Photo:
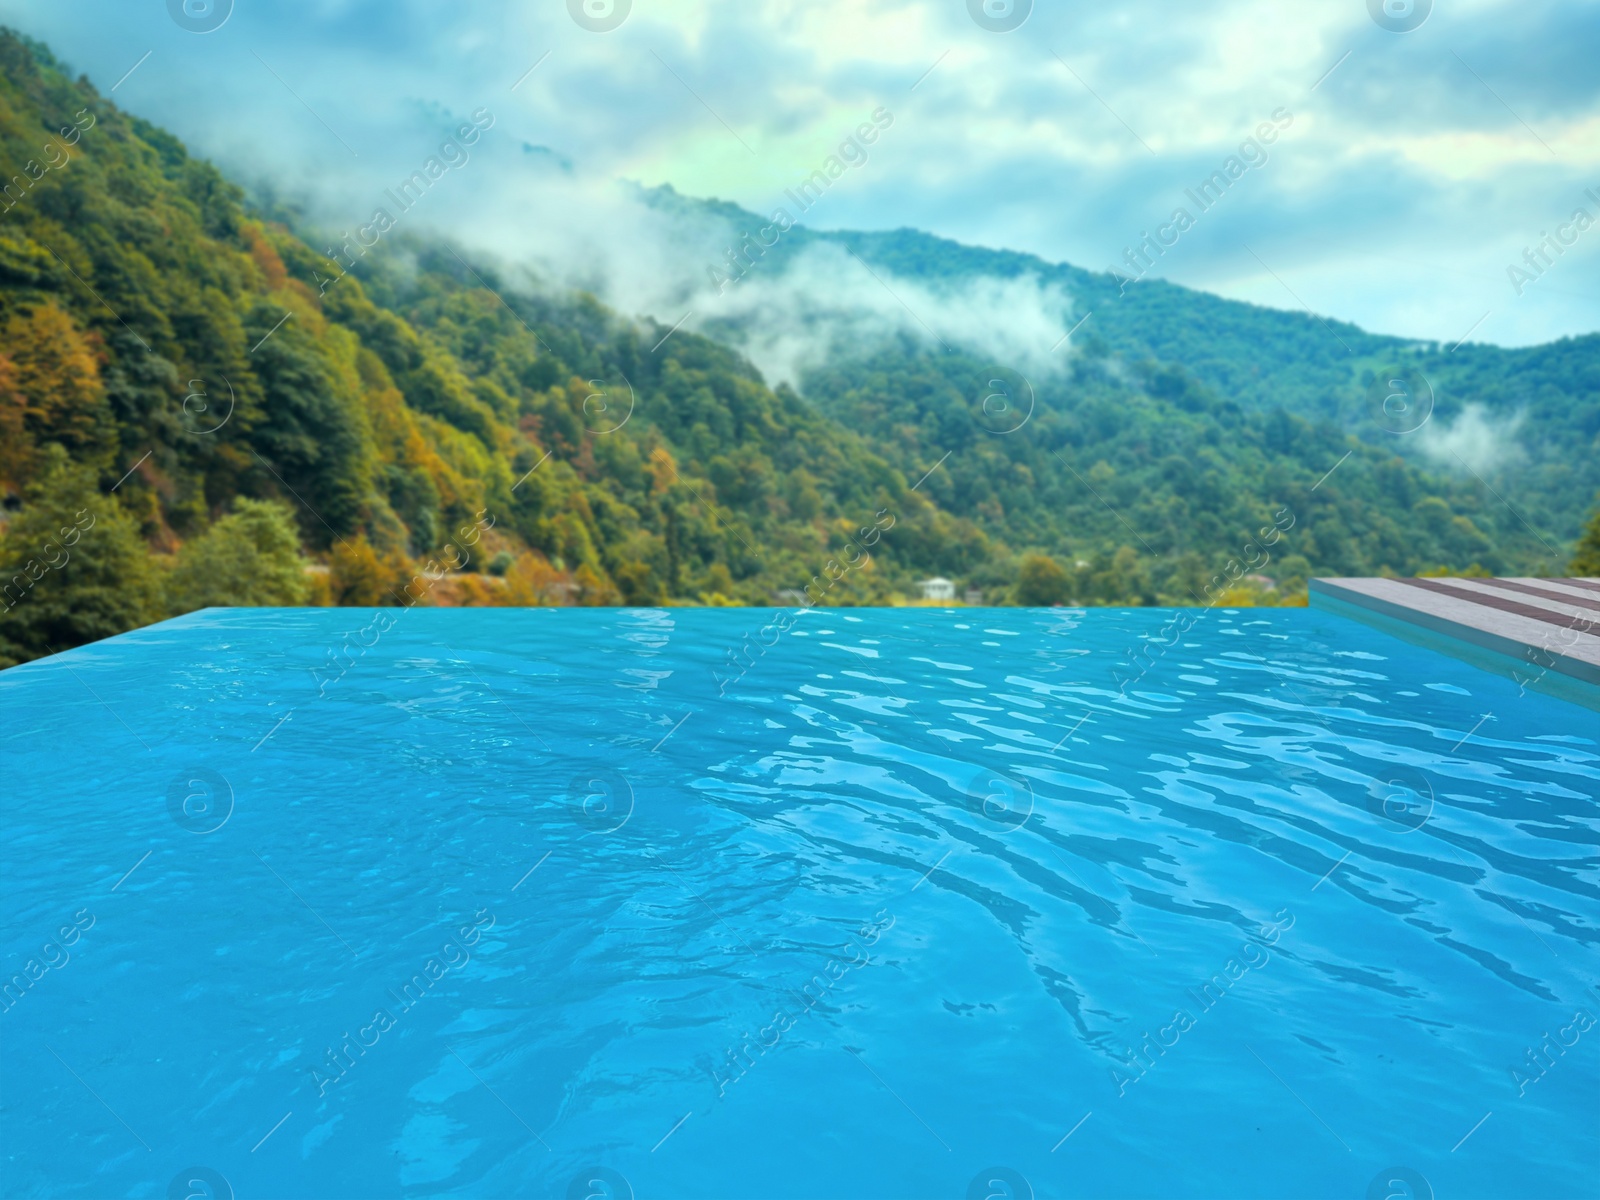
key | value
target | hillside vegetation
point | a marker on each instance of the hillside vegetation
(198, 408)
(1542, 402)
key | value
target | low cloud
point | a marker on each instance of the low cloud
(786, 315)
(1001, 143)
(1476, 439)
(827, 303)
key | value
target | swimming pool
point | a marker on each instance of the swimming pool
(740, 903)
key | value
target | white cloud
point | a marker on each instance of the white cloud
(828, 301)
(1476, 439)
(1401, 193)
(648, 262)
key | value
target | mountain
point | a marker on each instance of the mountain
(198, 407)
(1534, 412)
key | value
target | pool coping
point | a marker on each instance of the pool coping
(1543, 633)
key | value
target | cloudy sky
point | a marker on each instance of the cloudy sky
(1414, 168)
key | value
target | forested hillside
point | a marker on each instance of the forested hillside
(1543, 402)
(197, 407)
(406, 420)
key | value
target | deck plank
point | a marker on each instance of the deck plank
(1548, 624)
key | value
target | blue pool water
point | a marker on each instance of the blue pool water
(911, 903)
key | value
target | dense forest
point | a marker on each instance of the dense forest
(1268, 361)
(199, 408)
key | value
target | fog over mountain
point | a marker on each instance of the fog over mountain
(1425, 160)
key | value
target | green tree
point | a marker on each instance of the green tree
(1586, 559)
(73, 568)
(1041, 582)
(250, 557)
(639, 586)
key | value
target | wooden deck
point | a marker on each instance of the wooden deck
(1544, 626)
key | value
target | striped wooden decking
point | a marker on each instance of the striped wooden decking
(1545, 625)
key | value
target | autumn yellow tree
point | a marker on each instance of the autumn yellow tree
(55, 370)
(15, 452)
(533, 582)
(358, 577)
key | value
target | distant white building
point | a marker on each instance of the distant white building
(937, 588)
